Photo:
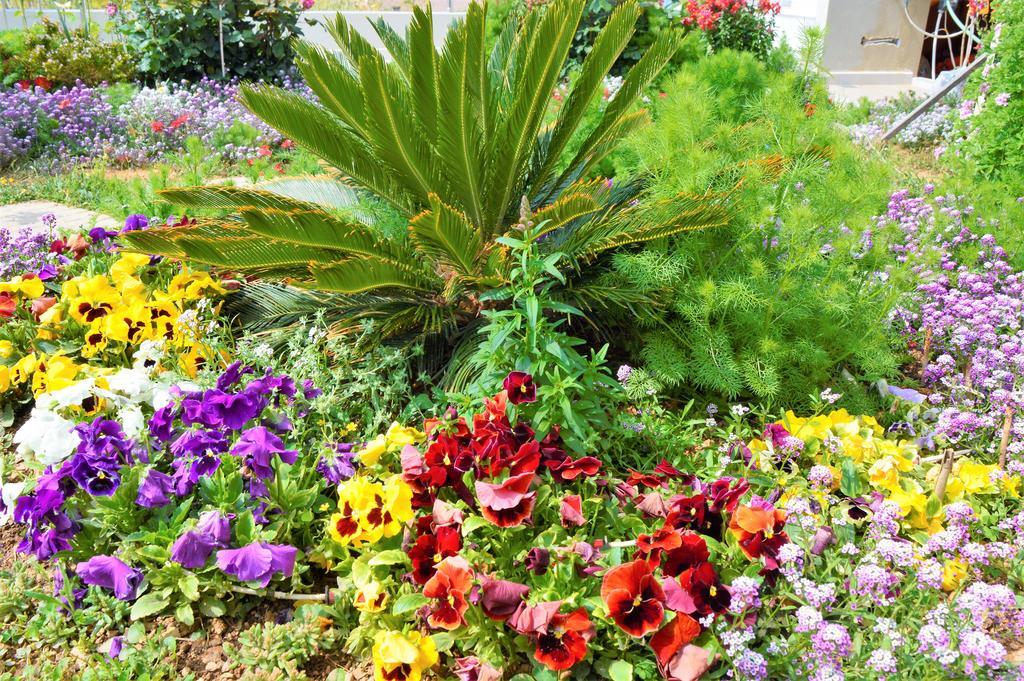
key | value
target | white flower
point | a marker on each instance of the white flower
(9, 493)
(132, 421)
(48, 436)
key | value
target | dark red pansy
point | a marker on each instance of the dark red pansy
(652, 505)
(667, 470)
(692, 551)
(530, 620)
(509, 503)
(565, 641)
(448, 588)
(688, 512)
(634, 597)
(699, 591)
(520, 387)
(430, 549)
(724, 493)
(758, 528)
(500, 598)
(568, 469)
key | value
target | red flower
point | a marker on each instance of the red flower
(698, 591)
(567, 469)
(572, 511)
(7, 305)
(651, 546)
(634, 597)
(636, 479)
(42, 304)
(673, 636)
(449, 587)
(520, 388)
(178, 122)
(507, 504)
(430, 549)
(64, 103)
(688, 513)
(157, 126)
(530, 620)
(24, 84)
(565, 641)
(499, 598)
(758, 528)
(264, 151)
(43, 82)
(725, 493)
(692, 551)
(664, 468)
(287, 144)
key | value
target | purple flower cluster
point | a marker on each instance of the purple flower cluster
(79, 124)
(201, 427)
(68, 124)
(966, 311)
(25, 251)
(94, 468)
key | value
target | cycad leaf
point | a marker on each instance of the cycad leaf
(395, 44)
(319, 131)
(643, 72)
(367, 274)
(538, 55)
(445, 233)
(424, 79)
(167, 240)
(461, 138)
(333, 82)
(256, 252)
(293, 193)
(606, 49)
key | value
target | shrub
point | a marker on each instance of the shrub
(992, 137)
(182, 39)
(776, 302)
(745, 25)
(65, 56)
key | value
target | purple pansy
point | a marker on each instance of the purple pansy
(257, 562)
(111, 573)
(258, 446)
(155, 490)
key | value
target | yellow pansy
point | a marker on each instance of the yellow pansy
(370, 597)
(402, 657)
(128, 323)
(370, 454)
(399, 436)
(6, 349)
(884, 474)
(89, 298)
(5, 378)
(126, 266)
(50, 323)
(95, 340)
(188, 285)
(23, 368)
(31, 287)
(953, 574)
(53, 373)
(1010, 485)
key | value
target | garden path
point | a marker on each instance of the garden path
(30, 214)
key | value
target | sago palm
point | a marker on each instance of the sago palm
(456, 140)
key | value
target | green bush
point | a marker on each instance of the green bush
(181, 39)
(64, 56)
(992, 129)
(773, 305)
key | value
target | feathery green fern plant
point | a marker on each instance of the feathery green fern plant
(791, 296)
(450, 140)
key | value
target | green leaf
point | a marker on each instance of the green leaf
(390, 557)
(473, 522)
(183, 613)
(212, 607)
(413, 601)
(189, 586)
(850, 483)
(147, 605)
(620, 670)
(245, 528)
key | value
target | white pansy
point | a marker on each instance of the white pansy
(9, 493)
(50, 437)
